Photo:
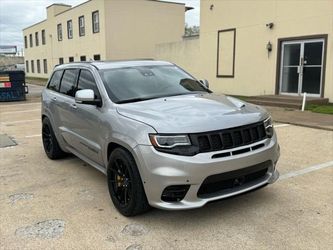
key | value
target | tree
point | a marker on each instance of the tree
(191, 30)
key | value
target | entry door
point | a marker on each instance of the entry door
(302, 67)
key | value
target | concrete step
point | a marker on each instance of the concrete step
(275, 103)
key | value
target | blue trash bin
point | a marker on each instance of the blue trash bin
(12, 86)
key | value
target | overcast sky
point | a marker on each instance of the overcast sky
(18, 14)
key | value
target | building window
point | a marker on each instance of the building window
(38, 66)
(61, 60)
(25, 42)
(32, 66)
(82, 58)
(36, 39)
(95, 21)
(27, 66)
(45, 66)
(30, 40)
(59, 30)
(43, 37)
(81, 26)
(97, 57)
(70, 29)
(71, 59)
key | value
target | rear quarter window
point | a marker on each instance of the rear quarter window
(55, 80)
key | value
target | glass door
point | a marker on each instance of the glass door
(301, 67)
(290, 77)
(312, 64)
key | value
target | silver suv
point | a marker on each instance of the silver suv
(162, 137)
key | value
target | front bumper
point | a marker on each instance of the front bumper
(160, 170)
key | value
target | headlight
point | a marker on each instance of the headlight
(169, 141)
(269, 127)
(173, 144)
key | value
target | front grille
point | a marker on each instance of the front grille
(229, 138)
(219, 184)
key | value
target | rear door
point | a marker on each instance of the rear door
(50, 100)
(66, 107)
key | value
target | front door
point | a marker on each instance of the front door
(302, 67)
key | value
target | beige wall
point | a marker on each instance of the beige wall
(134, 27)
(255, 71)
(185, 54)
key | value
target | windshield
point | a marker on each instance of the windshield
(148, 82)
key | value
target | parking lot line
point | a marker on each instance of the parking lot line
(22, 121)
(281, 125)
(19, 104)
(306, 170)
(20, 111)
(31, 136)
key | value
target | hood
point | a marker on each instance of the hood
(193, 113)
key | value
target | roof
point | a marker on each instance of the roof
(117, 64)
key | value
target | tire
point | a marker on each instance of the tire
(125, 185)
(50, 143)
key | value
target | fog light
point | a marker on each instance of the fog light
(174, 193)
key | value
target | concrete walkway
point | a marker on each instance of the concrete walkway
(297, 117)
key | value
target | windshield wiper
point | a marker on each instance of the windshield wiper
(138, 99)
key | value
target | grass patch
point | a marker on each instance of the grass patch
(36, 80)
(323, 109)
(241, 97)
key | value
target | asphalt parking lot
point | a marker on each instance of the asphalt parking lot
(65, 204)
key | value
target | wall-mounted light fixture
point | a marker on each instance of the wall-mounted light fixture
(270, 25)
(269, 47)
(211, 7)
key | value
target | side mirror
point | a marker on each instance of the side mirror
(87, 96)
(205, 83)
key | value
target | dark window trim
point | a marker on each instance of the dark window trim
(45, 64)
(99, 55)
(84, 26)
(68, 22)
(92, 19)
(58, 33)
(27, 66)
(278, 58)
(32, 66)
(30, 40)
(36, 38)
(43, 34)
(218, 52)
(38, 66)
(25, 42)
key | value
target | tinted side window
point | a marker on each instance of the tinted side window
(68, 82)
(87, 81)
(55, 80)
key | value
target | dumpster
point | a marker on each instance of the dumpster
(12, 86)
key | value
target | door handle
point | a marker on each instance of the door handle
(300, 69)
(54, 98)
(73, 106)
